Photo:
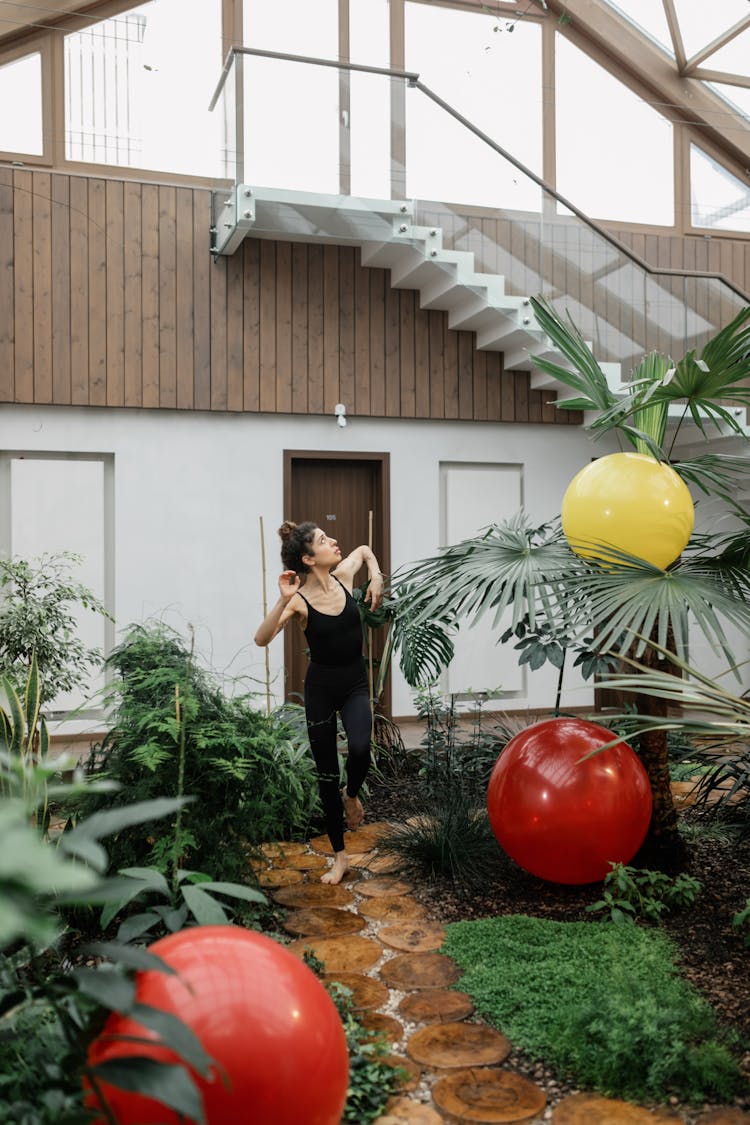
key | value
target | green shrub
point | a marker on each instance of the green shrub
(630, 893)
(372, 1080)
(602, 1003)
(251, 775)
(741, 922)
(452, 836)
(37, 599)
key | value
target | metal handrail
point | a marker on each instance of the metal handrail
(414, 81)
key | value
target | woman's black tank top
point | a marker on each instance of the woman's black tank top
(334, 639)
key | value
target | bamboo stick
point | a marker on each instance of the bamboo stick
(265, 611)
(369, 631)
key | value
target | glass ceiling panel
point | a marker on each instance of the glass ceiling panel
(700, 24)
(648, 16)
(737, 96)
(734, 56)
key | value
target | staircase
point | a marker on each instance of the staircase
(389, 238)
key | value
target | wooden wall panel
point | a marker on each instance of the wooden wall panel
(60, 201)
(7, 330)
(726, 255)
(115, 228)
(42, 280)
(23, 304)
(132, 298)
(109, 297)
(97, 319)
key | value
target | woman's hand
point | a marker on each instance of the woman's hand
(289, 584)
(374, 595)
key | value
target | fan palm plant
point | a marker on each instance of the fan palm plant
(533, 572)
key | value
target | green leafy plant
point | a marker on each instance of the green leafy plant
(603, 1004)
(715, 719)
(741, 922)
(55, 992)
(452, 836)
(252, 773)
(630, 893)
(372, 1079)
(37, 619)
(189, 900)
(49, 999)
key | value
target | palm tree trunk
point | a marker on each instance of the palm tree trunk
(663, 848)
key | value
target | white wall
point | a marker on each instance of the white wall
(189, 490)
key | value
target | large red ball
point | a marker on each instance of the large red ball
(260, 1014)
(561, 818)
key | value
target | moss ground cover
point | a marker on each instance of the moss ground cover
(602, 1002)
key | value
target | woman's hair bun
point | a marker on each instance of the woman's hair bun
(286, 530)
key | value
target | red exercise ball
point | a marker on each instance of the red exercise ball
(265, 1019)
(561, 818)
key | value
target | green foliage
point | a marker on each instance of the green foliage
(452, 836)
(372, 1080)
(189, 900)
(36, 617)
(251, 775)
(705, 387)
(717, 723)
(602, 1003)
(630, 893)
(741, 922)
(51, 1005)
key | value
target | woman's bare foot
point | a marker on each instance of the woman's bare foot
(354, 812)
(336, 873)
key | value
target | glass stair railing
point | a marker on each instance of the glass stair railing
(316, 150)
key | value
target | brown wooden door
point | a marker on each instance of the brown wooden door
(337, 493)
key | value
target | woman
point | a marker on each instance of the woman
(336, 679)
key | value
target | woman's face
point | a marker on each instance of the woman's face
(324, 550)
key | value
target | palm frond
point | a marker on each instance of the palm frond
(706, 709)
(639, 599)
(587, 378)
(512, 565)
(715, 474)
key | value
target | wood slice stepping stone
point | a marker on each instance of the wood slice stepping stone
(592, 1109)
(307, 862)
(258, 864)
(313, 894)
(413, 937)
(322, 845)
(283, 849)
(444, 1045)
(378, 1023)
(367, 992)
(392, 908)
(405, 1111)
(387, 885)
(323, 921)
(437, 1006)
(280, 877)
(493, 1097)
(348, 954)
(364, 839)
(413, 1071)
(385, 864)
(410, 971)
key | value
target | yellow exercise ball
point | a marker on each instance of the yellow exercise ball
(632, 502)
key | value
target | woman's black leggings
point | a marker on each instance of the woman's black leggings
(329, 691)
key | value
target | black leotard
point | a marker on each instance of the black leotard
(336, 681)
(335, 639)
